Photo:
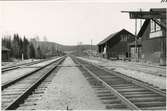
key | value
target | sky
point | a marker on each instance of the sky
(68, 23)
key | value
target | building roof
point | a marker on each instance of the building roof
(112, 35)
(156, 13)
(5, 49)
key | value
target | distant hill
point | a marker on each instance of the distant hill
(75, 47)
(68, 48)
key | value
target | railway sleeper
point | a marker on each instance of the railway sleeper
(11, 93)
(98, 87)
(106, 95)
(150, 104)
(13, 90)
(111, 101)
(126, 87)
(17, 87)
(38, 92)
(121, 85)
(136, 92)
(116, 82)
(147, 99)
(103, 91)
(118, 106)
(154, 108)
(3, 106)
(141, 95)
(108, 76)
(7, 97)
(131, 90)
(34, 97)
(6, 101)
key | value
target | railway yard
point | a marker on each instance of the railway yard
(83, 55)
(78, 83)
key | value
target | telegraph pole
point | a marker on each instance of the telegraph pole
(91, 51)
(136, 52)
(140, 19)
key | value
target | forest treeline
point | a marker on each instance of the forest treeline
(22, 47)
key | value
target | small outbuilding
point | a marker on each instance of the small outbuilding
(5, 54)
(116, 45)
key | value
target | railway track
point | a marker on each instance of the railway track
(15, 93)
(118, 91)
(9, 68)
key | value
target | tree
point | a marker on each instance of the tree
(25, 48)
(15, 46)
(40, 55)
(32, 51)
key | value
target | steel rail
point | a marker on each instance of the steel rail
(121, 76)
(19, 65)
(12, 67)
(131, 79)
(7, 84)
(135, 81)
(116, 93)
(20, 99)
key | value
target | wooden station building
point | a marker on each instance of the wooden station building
(152, 35)
(116, 45)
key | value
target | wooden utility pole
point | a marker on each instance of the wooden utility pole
(136, 50)
(91, 48)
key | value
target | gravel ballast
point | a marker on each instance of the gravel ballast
(69, 90)
(139, 74)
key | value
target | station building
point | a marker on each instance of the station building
(152, 35)
(116, 45)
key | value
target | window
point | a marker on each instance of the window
(154, 26)
(155, 29)
(124, 37)
(157, 26)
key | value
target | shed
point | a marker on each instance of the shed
(5, 54)
(116, 45)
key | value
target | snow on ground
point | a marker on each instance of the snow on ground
(152, 79)
(7, 64)
(11, 75)
(139, 72)
(69, 88)
(150, 69)
(44, 63)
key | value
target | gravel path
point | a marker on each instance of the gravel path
(133, 71)
(69, 90)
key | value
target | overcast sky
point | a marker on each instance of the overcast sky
(67, 22)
